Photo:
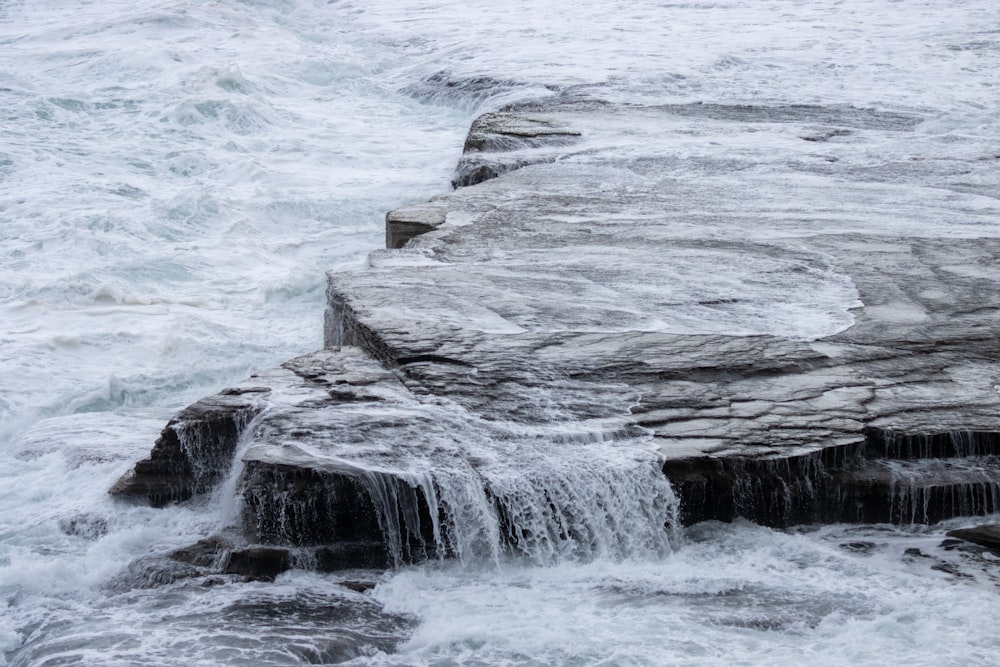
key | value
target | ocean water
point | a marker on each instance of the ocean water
(177, 175)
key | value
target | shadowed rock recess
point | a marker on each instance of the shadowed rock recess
(792, 312)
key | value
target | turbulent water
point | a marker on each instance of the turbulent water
(177, 175)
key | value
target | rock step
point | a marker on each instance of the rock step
(781, 493)
(294, 506)
(917, 491)
(347, 516)
(194, 450)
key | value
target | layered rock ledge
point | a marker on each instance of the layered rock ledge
(794, 310)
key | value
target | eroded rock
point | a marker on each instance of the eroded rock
(793, 327)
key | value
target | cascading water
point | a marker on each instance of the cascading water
(176, 177)
(475, 491)
(926, 491)
(542, 509)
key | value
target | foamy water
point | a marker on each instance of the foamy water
(175, 179)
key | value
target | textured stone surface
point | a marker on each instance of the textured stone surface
(604, 270)
(794, 308)
(742, 303)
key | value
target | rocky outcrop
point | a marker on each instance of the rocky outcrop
(194, 450)
(497, 143)
(774, 305)
(987, 536)
(693, 303)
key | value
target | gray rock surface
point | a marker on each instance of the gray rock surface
(792, 310)
(712, 274)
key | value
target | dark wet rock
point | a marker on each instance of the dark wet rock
(194, 450)
(952, 569)
(152, 572)
(84, 525)
(319, 629)
(259, 563)
(986, 535)
(921, 491)
(290, 504)
(204, 553)
(204, 558)
(371, 555)
(864, 548)
(358, 586)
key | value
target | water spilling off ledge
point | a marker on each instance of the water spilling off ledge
(638, 295)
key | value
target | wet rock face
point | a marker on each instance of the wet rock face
(497, 142)
(752, 300)
(787, 309)
(987, 536)
(194, 450)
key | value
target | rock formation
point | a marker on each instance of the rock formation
(796, 320)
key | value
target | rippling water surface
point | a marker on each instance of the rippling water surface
(176, 177)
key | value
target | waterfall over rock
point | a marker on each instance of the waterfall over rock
(539, 355)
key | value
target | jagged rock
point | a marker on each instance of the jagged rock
(194, 449)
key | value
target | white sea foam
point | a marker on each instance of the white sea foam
(178, 174)
(175, 178)
(733, 595)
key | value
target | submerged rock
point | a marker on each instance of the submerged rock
(986, 535)
(84, 525)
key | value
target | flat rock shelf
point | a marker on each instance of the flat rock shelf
(777, 308)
